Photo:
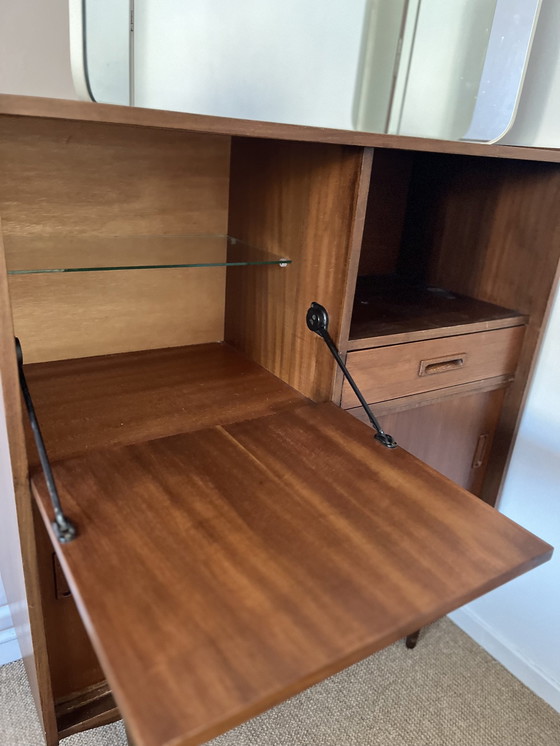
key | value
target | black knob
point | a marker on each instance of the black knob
(317, 318)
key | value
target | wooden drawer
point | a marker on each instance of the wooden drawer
(401, 370)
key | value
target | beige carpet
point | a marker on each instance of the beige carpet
(447, 692)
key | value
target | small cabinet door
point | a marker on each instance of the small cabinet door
(453, 434)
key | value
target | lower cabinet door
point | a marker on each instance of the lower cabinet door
(453, 435)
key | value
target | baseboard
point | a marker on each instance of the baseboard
(510, 657)
(9, 648)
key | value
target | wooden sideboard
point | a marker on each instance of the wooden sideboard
(239, 536)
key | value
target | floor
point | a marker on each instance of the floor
(447, 692)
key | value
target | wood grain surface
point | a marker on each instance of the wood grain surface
(64, 182)
(18, 552)
(446, 433)
(119, 399)
(302, 201)
(402, 370)
(389, 310)
(73, 665)
(491, 230)
(89, 708)
(221, 571)
(31, 106)
(83, 179)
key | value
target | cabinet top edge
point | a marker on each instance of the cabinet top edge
(83, 111)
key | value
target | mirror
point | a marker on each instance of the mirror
(426, 68)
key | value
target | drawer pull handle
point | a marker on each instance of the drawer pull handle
(441, 365)
(480, 451)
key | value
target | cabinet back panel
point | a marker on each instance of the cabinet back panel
(385, 212)
(65, 316)
(62, 178)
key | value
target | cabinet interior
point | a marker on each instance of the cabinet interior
(435, 227)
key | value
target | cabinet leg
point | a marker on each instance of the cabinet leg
(129, 739)
(412, 639)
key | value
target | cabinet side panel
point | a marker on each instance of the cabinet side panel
(18, 562)
(73, 664)
(489, 229)
(73, 180)
(302, 201)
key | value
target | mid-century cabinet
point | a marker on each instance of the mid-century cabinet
(435, 260)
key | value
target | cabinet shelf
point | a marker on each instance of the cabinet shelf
(112, 400)
(57, 254)
(390, 309)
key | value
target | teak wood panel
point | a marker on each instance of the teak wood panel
(435, 332)
(221, 571)
(73, 665)
(390, 310)
(91, 708)
(111, 400)
(453, 435)
(72, 179)
(386, 209)
(31, 106)
(394, 371)
(301, 201)
(18, 551)
(91, 403)
(490, 229)
(64, 316)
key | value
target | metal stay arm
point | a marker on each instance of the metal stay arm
(63, 527)
(318, 321)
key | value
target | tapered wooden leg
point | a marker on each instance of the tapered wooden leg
(412, 639)
(128, 737)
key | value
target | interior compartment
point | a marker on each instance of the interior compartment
(439, 228)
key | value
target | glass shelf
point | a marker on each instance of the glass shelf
(52, 254)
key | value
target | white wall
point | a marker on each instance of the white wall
(9, 648)
(9, 548)
(35, 48)
(519, 623)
